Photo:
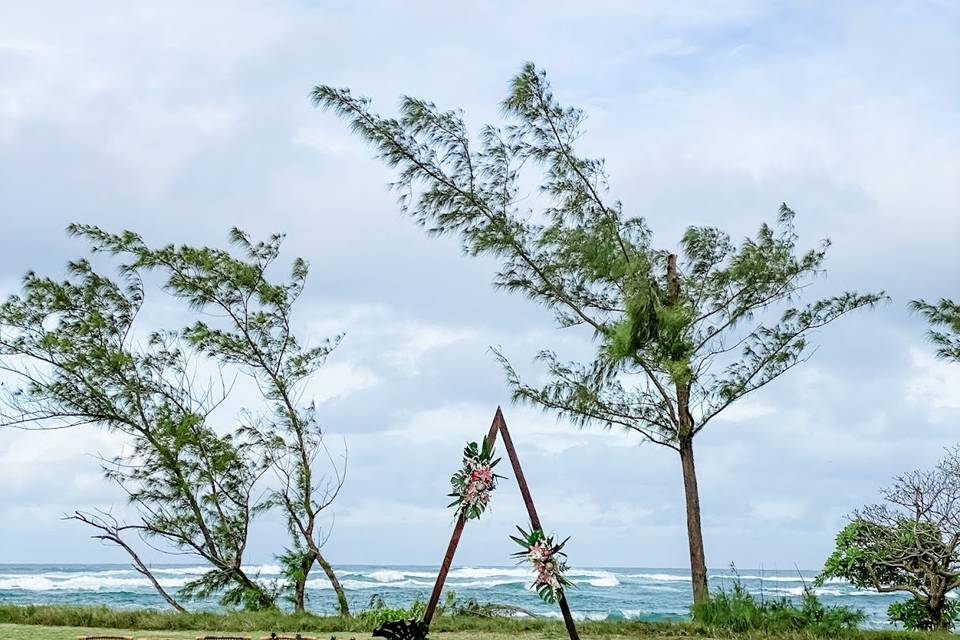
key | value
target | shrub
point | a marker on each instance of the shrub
(914, 614)
(377, 612)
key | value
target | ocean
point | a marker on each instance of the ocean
(600, 593)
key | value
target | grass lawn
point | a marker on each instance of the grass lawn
(41, 632)
(56, 622)
(34, 632)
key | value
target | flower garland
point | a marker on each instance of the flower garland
(475, 481)
(548, 560)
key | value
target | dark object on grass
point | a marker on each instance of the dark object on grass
(403, 630)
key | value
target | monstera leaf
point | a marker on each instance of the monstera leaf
(403, 630)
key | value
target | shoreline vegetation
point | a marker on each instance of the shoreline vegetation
(32, 622)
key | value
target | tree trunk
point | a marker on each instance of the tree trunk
(935, 609)
(337, 587)
(698, 564)
(156, 585)
(264, 600)
(685, 433)
(300, 588)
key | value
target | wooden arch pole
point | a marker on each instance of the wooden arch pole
(455, 538)
(499, 424)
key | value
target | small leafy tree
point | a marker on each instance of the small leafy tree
(680, 339)
(70, 348)
(909, 544)
(257, 336)
(944, 318)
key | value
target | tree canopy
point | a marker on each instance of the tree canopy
(75, 357)
(257, 336)
(678, 338)
(908, 543)
(589, 263)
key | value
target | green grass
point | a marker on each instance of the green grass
(36, 622)
(737, 609)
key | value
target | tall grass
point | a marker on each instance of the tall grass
(739, 610)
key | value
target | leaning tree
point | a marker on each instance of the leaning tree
(909, 543)
(256, 334)
(73, 357)
(680, 338)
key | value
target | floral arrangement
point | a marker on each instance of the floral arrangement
(548, 560)
(475, 481)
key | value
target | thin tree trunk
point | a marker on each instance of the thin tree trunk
(698, 563)
(142, 569)
(337, 587)
(300, 588)
(685, 432)
(264, 600)
(111, 533)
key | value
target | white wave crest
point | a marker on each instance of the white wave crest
(658, 577)
(473, 572)
(266, 569)
(387, 575)
(608, 580)
(578, 615)
(323, 583)
(84, 583)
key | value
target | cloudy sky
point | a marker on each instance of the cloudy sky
(180, 120)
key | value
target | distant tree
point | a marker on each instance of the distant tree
(257, 336)
(908, 544)
(70, 348)
(944, 319)
(679, 341)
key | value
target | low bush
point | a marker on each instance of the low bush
(377, 612)
(913, 614)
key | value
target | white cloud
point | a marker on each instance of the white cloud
(778, 509)
(747, 409)
(338, 380)
(180, 120)
(933, 384)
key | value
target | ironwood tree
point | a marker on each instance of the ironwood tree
(909, 543)
(256, 335)
(70, 349)
(679, 337)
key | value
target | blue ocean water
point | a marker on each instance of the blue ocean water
(600, 593)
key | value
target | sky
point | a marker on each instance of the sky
(180, 120)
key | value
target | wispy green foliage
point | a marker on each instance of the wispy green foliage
(944, 319)
(70, 350)
(258, 337)
(592, 265)
(678, 339)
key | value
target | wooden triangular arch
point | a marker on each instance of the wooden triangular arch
(499, 426)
